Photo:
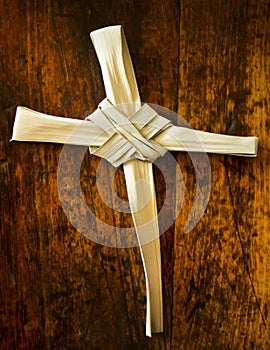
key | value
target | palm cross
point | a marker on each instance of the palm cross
(124, 132)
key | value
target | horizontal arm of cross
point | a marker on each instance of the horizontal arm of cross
(38, 127)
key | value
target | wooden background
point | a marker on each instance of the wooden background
(207, 60)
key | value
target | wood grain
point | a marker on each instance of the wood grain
(209, 61)
(221, 292)
(60, 290)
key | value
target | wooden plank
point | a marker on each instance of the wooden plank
(58, 289)
(221, 287)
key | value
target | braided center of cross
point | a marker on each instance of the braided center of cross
(128, 138)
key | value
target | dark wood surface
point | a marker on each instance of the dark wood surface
(208, 61)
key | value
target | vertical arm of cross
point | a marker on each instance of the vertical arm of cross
(121, 87)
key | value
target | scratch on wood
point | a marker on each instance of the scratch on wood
(64, 64)
(242, 244)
